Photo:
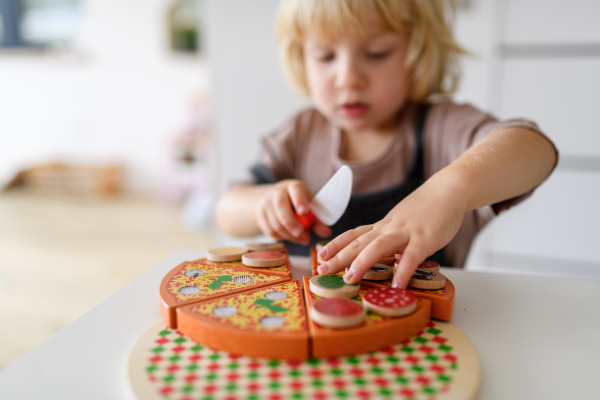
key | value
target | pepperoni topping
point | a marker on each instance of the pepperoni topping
(428, 264)
(264, 255)
(338, 307)
(390, 297)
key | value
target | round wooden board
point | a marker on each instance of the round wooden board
(439, 363)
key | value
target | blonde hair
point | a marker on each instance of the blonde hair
(432, 56)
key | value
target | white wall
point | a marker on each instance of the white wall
(116, 98)
(251, 95)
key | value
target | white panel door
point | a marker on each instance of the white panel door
(561, 95)
(553, 21)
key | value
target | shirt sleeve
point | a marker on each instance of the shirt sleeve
(277, 154)
(452, 129)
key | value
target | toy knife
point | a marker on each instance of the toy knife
(331, 201)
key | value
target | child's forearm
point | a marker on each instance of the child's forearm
(235, 210)
(505, 164)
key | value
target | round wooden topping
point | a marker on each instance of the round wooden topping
(277, 246)
(379, 272)
(427, 280)
(226, 254)
(319, 246)
(427, 265)
(263, 259)
(337, 313)
(387, 260)
(390, 302)
(332, 286)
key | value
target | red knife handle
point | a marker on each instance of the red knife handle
(307, 220)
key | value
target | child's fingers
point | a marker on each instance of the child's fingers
(340, 242)
(266, 228)
(321, 229)
(377, 247)
(282, 231)
(341, 251)
(282, 206)
(298, 194)
(412, 256)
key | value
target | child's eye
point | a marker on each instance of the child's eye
(376, 55)
(326, 57)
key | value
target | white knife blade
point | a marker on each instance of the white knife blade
(331, 201)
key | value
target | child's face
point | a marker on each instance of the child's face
(359, 82)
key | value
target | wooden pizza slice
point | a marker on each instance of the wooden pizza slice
(377, 331)
(269, 322)
(196, 281)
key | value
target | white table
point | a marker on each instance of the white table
(537, 338)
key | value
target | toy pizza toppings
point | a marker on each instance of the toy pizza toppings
(263, 259)
(337, 313)
(390, 297)
(428, 280)
(388, 260)
(379, 272)
(426, 265)
(277, 246)
(226, 254)
(423, 275)
(338, 307)
(390, 302)
(429, 266)
(332, 286)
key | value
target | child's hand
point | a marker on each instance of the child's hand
(275, 212)
(417, 227)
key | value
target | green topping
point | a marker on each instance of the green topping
(219, 281)
(331, 281)
(269, 304)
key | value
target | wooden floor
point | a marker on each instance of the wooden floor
(61, 257)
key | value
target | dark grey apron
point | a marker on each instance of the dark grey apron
(365, 209)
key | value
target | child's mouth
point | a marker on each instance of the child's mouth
(353, 109)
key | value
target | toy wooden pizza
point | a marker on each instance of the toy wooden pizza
(241, 328)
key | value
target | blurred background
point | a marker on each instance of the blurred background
(121, 121)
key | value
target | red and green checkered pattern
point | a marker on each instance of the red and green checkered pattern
(420, 368)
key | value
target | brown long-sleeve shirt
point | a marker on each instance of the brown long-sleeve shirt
(308, 148)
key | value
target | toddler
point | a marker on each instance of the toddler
(428, 173)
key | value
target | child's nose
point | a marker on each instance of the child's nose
(349, 75)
